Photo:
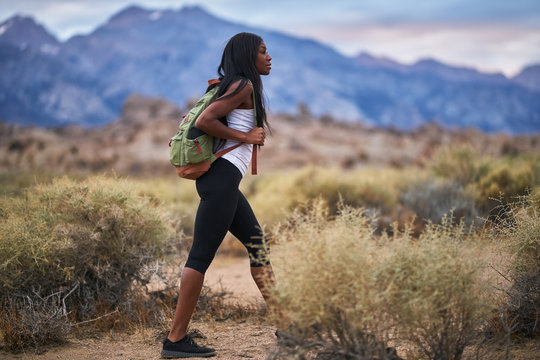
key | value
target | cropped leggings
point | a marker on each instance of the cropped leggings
(224, 208)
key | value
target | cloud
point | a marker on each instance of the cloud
(490, 34)
(487, 47)
(66, 18)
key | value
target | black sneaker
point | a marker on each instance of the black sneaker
(184, 348)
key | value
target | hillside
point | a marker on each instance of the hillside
(137, 143)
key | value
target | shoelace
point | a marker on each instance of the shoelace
(190, 340)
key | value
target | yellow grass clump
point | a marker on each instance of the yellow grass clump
(520, 230)
(274, 196)
(71, 251)
(352, 294)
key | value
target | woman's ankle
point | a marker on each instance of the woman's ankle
(176, 336)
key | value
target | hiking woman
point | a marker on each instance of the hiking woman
(230, 117)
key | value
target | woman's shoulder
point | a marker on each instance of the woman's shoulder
(244, 84)
(240, 90)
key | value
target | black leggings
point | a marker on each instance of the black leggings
(223, 208)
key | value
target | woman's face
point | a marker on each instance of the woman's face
(262, 63)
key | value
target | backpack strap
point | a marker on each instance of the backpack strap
(254, 160)
(224, 151)
(254, 152)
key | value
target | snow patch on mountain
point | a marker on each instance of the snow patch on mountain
(49, 49)
(3, 28)
(156, 15)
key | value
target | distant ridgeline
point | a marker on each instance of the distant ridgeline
(169, 53)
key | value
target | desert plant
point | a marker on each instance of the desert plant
(332, 295)
(461, 164)
(177, 198)
(351, 294)
(506, 181)
(521, 231)
(275, 196)
(431, 198)
(84, 244)
(33, 320)
(437, 293)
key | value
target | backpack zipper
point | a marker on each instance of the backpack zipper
(198, 147)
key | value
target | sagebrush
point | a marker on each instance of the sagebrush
(72, 251)
(351, 294)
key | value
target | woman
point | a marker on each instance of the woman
(223, 207)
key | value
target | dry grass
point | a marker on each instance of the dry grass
(73, 251)
(353, 294)
(85, 252)
(520, 228)
(275, 196)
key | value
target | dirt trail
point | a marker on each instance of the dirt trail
(246, 339)
(232, 273)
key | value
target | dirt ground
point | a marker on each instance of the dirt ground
(245, 339)
(252, 338)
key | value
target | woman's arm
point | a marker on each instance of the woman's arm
(209, 122)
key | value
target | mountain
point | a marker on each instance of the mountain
(171, 54)
(530, 77)
(370, 61)
(24, 32)
(37, 87)
(453, 73)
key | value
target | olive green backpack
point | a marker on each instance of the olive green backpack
(191, 150)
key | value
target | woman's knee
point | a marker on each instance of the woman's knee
(199, 263)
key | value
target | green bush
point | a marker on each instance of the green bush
(506, 181)
(490, 179)
(521, 230)
(350, 294)
(178, 198)
(460, 164)
(74, 250)
(274, 196)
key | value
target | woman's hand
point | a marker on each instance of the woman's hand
(257, 135)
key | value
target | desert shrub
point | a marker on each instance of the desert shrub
(33, 321)
(330, 289)
(506, 181)
(490, 179)
(274, 196)
(521, 231)
(460, 164)
(431, 198)
(437, 294)
(352, 295)
(177, 197)
(77, 249)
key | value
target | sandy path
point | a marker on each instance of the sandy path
(249, 339)
(232, 273)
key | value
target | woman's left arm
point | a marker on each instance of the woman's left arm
(208, 120)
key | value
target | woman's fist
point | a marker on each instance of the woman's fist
(256, 136)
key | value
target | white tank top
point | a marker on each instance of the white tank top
(242, 120)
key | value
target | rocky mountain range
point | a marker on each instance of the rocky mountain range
(171, 54)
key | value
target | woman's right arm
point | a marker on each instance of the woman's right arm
(208, 120)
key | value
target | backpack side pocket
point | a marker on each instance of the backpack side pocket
(198, 149)
(176, 155)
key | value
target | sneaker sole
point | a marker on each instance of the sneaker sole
(167, 354)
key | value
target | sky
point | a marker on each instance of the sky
(489, 35)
